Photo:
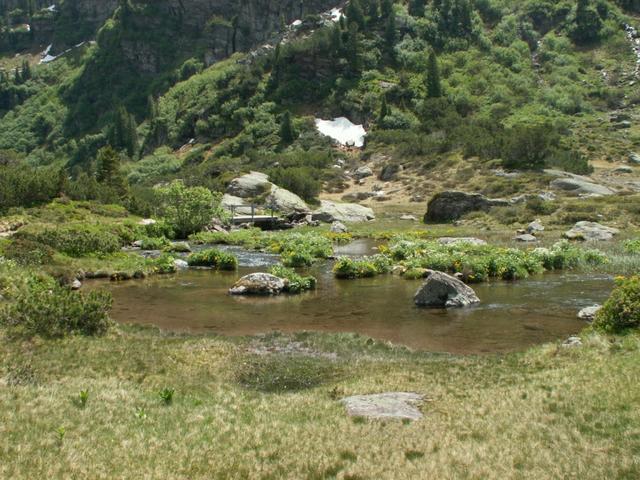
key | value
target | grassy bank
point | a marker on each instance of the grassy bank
(552, 412)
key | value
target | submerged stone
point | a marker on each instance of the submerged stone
(393, 405)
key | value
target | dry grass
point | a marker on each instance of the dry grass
(550, 413)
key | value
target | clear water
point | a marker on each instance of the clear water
(512, 316)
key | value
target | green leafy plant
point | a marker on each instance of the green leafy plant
(213, 258)
(621, 311)
(296, 283)
(45, 308)
(166, 395)
(82, 398)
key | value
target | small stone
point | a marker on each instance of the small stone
(258, 284)
(588, 314)
(526, 238)
(338, 227)
(623, 169)
(572, 341)
(180, 264)
(76, 284)
(535, 227)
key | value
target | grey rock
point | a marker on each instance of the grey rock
(456, 240)
(572, 341)
(535, 227)
(330, 212)
(180, 264)
(451, 205)
(575, 186)
(363, 172)
(235, 204)
(623, 169)
(591, 231)
(258, 284)
(76, 284)
(338, 227)
(624, 124)
(634, 158)
(390, 405)
(409, 218)
(525, 238)
(389, 172)
(250, 185)
(285, 201)
(589, 313)
(442, 290)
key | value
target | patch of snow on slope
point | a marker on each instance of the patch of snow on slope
(342, 131)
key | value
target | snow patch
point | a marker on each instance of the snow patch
(52, 8)
(336, 14)
(343, 131)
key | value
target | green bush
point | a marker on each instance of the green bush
(632, 246)
(25, 252)
(213, 258)
(154, 243)
(49, 310)
(346, 267)
(75, 240)
(622, 310)
(297, 283)
(164, 264)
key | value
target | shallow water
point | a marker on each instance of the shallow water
(512, 316)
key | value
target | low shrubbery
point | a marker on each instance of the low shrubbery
(154, 243)
(346, 267)
(213, 258)
(76, 240)
(622, 310)
(47, 309)
(632, 246)
(26, 252)
(299, 249)
(296, 282)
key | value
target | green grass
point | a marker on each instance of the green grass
(551, 412)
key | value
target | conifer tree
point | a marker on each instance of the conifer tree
(588, 23)
(355, 14)
(434, 88)
(417, 8)
(287, 133)
(384, 110)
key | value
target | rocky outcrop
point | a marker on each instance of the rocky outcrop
(284, 201)
(258, 284)
(235, 204)
(250, 185)
(575, 186)
(338, 227)
(451, 205)
(590, 231)
(330, 212)
(444, 291)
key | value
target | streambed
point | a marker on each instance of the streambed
(512, 315)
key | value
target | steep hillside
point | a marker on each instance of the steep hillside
(449, 92)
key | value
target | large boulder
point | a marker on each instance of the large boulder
(362, 172)
(580, 187)
(258, 284)
(250, 185)
(285, 201)
(591, 231)
(235, 204)
(588, 314)
(442, 290)
(330, 212)
(389, 172)
(451, 205)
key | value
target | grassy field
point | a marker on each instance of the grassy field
(552, 412)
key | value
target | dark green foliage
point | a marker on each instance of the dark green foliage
(587, 23)
(213, 258)
(26, 252)
(281, 374)
(49, 310)
(109, 172)
(434, 87)
(355, 14)
(76, 240)
(302, 181)
(287, 134)
(122, 133)
(528, 146)
(621, 311)
(24, 186)
(417, 7)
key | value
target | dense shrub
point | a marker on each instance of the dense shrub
(74, 240)
(187, 210)
(622, 310)
(24, 186)
(346, 267)
(49, 310)
(25, 252)
(213, 258)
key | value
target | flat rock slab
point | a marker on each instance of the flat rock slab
(394, 405)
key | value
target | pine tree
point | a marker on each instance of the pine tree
(386, 8)
(123, 134)
(287, 133)
(384, 110)
(355, 14)
(26, 71)
(108, 165)
(373, 11)
(588, 23)
(390, 33)
(434, 88)
(417, 8)
(352, 48)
